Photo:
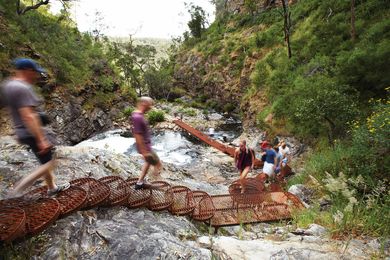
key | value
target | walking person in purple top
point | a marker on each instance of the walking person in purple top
(142, 136)
(244, 159)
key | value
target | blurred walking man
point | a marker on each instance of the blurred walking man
(23, 103)
(142, 136)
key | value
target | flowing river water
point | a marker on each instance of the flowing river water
(174, 147)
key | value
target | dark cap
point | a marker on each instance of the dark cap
(27, 64)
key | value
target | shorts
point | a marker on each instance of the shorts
(31, 142)
(152, 158)
(268, 169)
(284, 162)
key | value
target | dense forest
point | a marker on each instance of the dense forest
(319, 69)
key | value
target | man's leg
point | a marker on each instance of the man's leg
(42, 171)
(49, 176)
(156, 174)
(144, 171)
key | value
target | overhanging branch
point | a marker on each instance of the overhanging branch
(20, 10)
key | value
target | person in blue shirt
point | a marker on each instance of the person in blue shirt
(270, 158)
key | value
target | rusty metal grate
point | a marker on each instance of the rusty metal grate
(183, 201)
(229, 150)
(40, 213)
(137, 198)
(12, 223)
(250, 208)
(275, 187)
(255, 205)
(119, 190)
(97, 191)
(162, 197)
(251, 185)
(70, 200)
(247, 214)
(204, 207)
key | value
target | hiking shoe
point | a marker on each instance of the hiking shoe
(60, 188)
(139, 186)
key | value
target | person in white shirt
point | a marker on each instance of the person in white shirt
(285, 151)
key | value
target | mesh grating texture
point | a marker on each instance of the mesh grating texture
(40, 212)
(183, 201)
(33, 212)
(204, 206)
(12, 223)
(71, 199)
(137, 198)
(97, 191)
(119, 190)
(162, 197)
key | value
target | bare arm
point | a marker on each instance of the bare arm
(275, 161)
(33, 124)
(141, 144)
(253, 158)
(236, 152)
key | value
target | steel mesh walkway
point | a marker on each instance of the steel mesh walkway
(229, 150)
(34, 212)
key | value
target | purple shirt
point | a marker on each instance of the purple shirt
(140, 126)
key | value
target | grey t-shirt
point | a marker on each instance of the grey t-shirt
(18, 94)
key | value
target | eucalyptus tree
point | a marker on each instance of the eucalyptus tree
(22, 7)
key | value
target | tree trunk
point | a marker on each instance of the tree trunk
(332, 130)
(353, 28)
(287, 26)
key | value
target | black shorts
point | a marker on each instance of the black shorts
(152, 158)
(31, 142)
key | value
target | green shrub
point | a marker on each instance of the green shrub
(179, 101)
(128, 111)
(196, 104)
(260, 117)
(155, 116)
(353, 175)
(176, 93)
(188, 111)
(212, 104)
(129, 93)
(229, 107)
(100, 99)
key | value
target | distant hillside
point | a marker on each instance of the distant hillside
(160, 44)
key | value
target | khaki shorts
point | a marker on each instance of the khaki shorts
(152, 158)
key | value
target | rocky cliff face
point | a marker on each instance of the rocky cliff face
(245, 6)
(226, 85)
(72, 123)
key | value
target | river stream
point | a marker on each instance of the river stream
(174, 147)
